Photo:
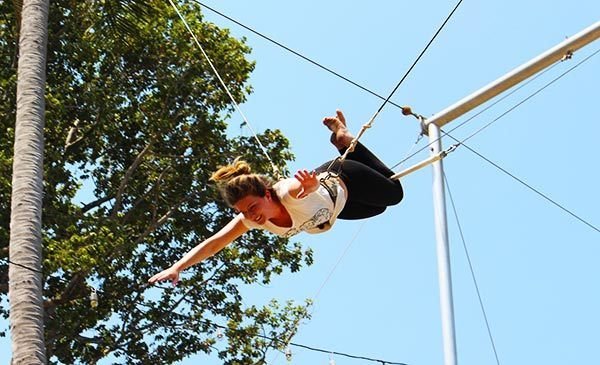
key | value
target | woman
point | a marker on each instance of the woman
(311, 201)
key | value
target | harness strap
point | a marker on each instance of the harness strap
(332, 191)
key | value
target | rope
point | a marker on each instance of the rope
(96, 291)
(314, 349)
(462, 236)
(476, 115)
(567, 56)
(296, 324)
(461, 142)
(24, 266)
(298, 54)
(276, 170)
(405, 110)
(558, 205)
(340, 258)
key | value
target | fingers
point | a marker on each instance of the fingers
(154, 279)
(304, 175)
(307, 180)
(165, 275)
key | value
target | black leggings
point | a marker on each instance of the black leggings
(370, 189)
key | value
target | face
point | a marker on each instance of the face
(256, 208)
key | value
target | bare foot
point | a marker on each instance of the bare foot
(340, 136)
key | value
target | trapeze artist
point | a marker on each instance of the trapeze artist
(355, 188)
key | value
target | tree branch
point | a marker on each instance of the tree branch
(128, 174)
(162, 220)
(96, 203)
(145, 328)
(69, 293)
(71, 141)
(155, 187)
(96, 340)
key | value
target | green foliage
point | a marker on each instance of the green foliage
(135, 125)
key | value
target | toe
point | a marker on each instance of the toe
(341, 117)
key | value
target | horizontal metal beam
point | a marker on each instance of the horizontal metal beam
(517, 75)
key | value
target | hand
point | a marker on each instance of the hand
(308, 181)
(168, 274)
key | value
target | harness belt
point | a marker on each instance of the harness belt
(331, 188)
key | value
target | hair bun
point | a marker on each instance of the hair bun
(236, 168)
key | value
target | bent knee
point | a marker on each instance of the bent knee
(397, 195)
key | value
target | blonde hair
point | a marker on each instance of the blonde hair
(236, 181)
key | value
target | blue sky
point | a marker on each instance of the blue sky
(536, 266)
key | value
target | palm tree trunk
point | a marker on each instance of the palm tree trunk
(25, 277)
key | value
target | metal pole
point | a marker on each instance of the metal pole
(432, 127)
(443, 251)
(517, 75)
(418, 166)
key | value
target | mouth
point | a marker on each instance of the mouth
(258, 219)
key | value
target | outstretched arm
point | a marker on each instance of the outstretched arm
(207, 248)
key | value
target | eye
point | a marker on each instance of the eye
(252, 209)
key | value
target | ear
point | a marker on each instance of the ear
(268, 195)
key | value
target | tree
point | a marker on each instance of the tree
(135, 125)
(25, 292)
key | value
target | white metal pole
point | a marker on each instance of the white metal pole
(433, 125)
(517, 75)
(418, 166)
(443, 250)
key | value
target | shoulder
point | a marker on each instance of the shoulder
(284, 186)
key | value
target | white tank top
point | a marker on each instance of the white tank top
(306, 213)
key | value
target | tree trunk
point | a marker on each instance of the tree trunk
(25, 282)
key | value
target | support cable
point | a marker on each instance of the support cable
(524, 100)
(364, 127)
(461, 142)
(339, 260)
(558, 205)
(276, 170)
(405, 110)
(314, 349)
(24, 266)
(279, 44)
(311, 348)
(290, 334)
(565, 58)
(477, 114)
(418, 57)
(386, 100)
(464, 243)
